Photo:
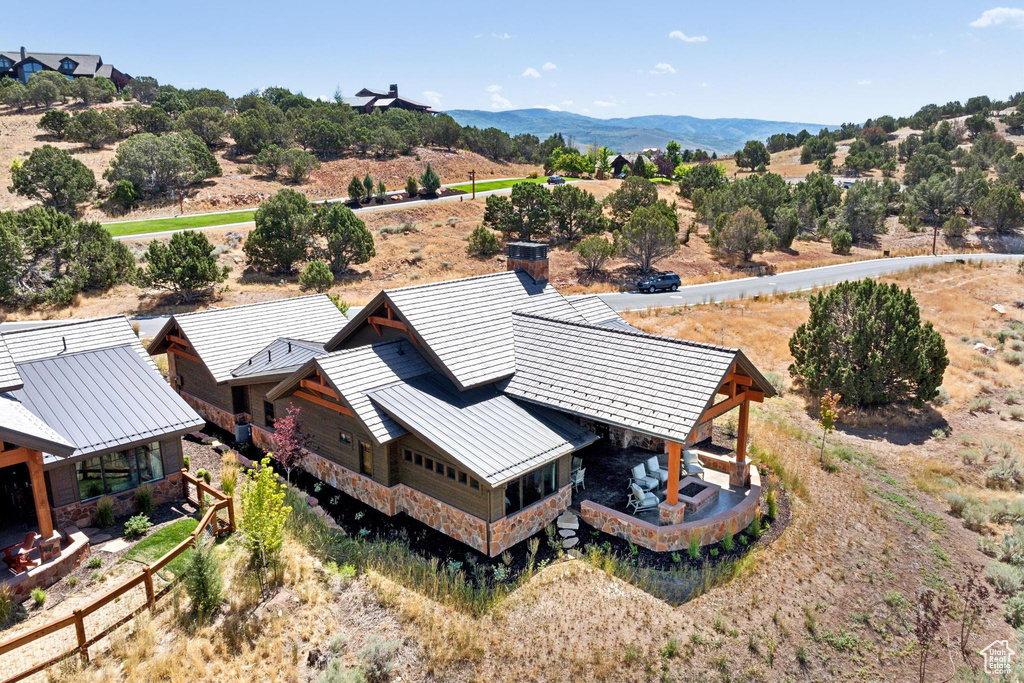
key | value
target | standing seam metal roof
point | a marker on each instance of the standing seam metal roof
(655, 385)
(281, 355)
(20, 427)
(488, 433)
(103, 398)
(72, 337)
(595, 311)
(9, 377)
(226, 337)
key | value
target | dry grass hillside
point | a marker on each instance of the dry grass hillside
(832, 598)
(20, 134)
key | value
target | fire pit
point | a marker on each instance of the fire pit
(696, 493)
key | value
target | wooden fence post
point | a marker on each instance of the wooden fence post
(184, 484)
(80, 632)
(150, 593)
(231, 513)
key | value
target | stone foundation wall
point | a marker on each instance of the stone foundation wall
(460, 525)
(676, 536)
(262, 438)
(359, 486)
(48, 573)
(83, 514)
(212, 413)
(518, 527)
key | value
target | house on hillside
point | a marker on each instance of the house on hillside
(487, 406)
(19, 65)
(84, 413)
(620, 161)
(367, 101)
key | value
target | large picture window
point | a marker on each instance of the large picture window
(531, 487)
(120, 471)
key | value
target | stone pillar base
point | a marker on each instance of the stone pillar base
(671, 514)
(49, 548)
(740, 475)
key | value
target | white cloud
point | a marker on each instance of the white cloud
(552, 107)
(679, 35)
(494, 88)
(478, 35)
(612, 102)
(702, 84)
(566, 103)
(663, 68)
(501, 36)
(1011, 16)
(531, 73)
(549, 66)
(433, 97)
(864, 81)
(499, 102)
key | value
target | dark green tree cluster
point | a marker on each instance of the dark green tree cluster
(754, 155)
(47, 257)
(159, 164)
(866, 342)
(186, 265)
(767, 194)
(54, 177)
(289, 230)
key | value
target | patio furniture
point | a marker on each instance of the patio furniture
(691, 463)
(576, 478)
(577, 462)
(17, 556)
(641, 479)
(655, 470)
(640, 500)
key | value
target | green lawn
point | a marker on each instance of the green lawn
(178, 223)
(484, 185)
(158, 543)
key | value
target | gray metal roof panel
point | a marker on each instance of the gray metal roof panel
(593, 309)
(278, 356)
(655, 385)
(488, 433)
(103, 398)
(72, 337)
(19, 426)
(354, 372)
(227, 337)
(9, 377)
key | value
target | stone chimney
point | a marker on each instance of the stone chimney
(23, 53)
(529, 257)
(393, 90)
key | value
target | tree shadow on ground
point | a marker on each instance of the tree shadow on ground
(900, 424)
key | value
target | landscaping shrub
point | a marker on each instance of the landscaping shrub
(376, 660)
(777, 381)
(264, 513)
(38, 596)
(841, 242)
(104, 512)
(1004, 578)
(316, 275)
(6, 603)
(412, 188)
(727, 541)
(694, 547)
(137, 526)
(1007, 473)
(482, 242)
(1014, 611)
(773, 505)
(188, 462)
(203, 582)
(981, 404)
(204, 475)
(144, 500)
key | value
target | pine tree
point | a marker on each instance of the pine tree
(186, 264)
(430, 181)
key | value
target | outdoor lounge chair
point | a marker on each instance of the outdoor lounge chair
(641, 479)
(576, 478)
(655, 470)
(18, 557)
(641, 500)
(691, 463)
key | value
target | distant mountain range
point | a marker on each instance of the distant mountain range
(635, 133)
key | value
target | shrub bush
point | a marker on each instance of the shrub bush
(203, 582)
(376, 660)
(144, 499)
(482, 242)
(104, 512)
(204, 475)
(6, 603)
(1014, 611)
(1004, 578)
(38, 596)
(842, 241)
(137, 526)
(316, 275)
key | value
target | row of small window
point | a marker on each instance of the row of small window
(438, 467)
(121, 471)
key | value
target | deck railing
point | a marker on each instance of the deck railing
(219, 503)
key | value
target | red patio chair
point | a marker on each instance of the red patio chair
(17, 556)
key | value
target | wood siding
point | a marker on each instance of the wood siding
(257, 395)
(461, 496)
(198, 381)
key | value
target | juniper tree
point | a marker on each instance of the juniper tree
(186, 264)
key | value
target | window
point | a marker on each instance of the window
(345, 438)
(439, 467)
(462, 478)
(365, 459)
(428, 463)
(408, 455)
(239, 400)
(120, 471)
(67, 65)
(473, 483)
(531, 487)
(268, 414)
(450, 473)
(29, 69)
(5, 63)
(419, 460)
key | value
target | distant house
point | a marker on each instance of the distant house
(22, 64)
(84, 413)
(620, 161)
(368, 101)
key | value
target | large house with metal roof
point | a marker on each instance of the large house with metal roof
(84, 413)
(464, 404)
(369, 100)
(19, 65)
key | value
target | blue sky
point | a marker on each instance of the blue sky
(823, 62)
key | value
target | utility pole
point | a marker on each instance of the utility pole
(935, 239)
(472, 177)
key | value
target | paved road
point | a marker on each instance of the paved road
(793, 281)
(365, 209)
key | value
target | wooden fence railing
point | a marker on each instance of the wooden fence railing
(220, 503)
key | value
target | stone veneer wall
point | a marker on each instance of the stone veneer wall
(48, 573)
(212, 413)
(676, 536)
(518, 527)
(439, 515)
(83, 514)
